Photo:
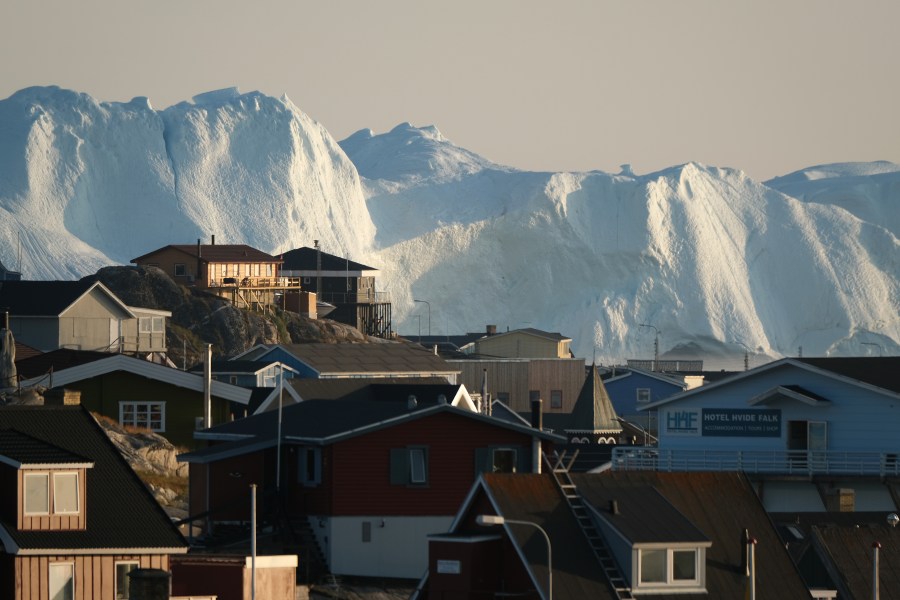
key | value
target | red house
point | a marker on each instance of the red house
(369, 475)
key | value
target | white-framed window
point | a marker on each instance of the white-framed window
(123, 568)
(62, 581)
(159, 324)
(145, 324)
(65, 493)
(669, 567)
(643, 395)
(180, 270)
(144, 415)
(417, 467)
(37, 494)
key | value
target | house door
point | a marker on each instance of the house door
(806, 443)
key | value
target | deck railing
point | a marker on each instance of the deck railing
(785, 462)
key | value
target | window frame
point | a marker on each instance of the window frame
(556, 399)
(136, 403)
(182, 267)
(25, 495)
(70, 583)
(134, 565)
(670, 582)
(77, 490)
(506, 450)
(402, 466)
(304, 457)
(145, 324)
(640, 392)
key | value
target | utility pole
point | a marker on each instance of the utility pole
(655, 346)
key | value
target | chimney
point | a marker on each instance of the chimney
(537, 422)
(613, 507)
(840, 500)
(491, 329)
(213, 240)
(745, 541)
(207, 387)
(62, 397)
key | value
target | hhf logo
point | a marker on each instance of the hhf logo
(684, 422)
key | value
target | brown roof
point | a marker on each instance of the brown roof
(848, 555)
(218, 253)
(721, 505)
(536, 498)
(375, 358)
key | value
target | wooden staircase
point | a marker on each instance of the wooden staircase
(559, 466)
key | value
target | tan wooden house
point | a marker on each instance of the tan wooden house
(81, 315)
(247, 277)
(521, 343)
(74, 518)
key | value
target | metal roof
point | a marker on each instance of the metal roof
(217, 253)
(122, 514)
(307, 259)
(49, 298)
(375, 358)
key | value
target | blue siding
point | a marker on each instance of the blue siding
(859, 419)
(623, 393)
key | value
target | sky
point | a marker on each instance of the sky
(765, 86)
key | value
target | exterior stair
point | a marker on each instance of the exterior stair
(559, 466)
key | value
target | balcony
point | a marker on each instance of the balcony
(773, 462)
(258, 283)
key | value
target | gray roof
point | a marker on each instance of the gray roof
(22, 449)
(121, 511)
(387, 357)
(308, 259)
(41, 298)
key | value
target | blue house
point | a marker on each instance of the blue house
(631, 390)
(810, 429)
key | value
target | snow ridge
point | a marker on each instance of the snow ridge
(716, 262)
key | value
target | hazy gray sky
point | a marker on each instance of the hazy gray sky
(767, 86)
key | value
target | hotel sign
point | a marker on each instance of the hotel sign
(741, 422)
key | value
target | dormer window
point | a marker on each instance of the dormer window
(660, 568)
(65, 493)
(37, 494)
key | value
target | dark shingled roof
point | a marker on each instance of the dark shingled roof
(721, 506)
(63, 358)
(40, 298)
(24, 449)
(121, 511)
(874, 370)
(305, 259)
(848, 551)
(218, 253)
(24, 351)
(388, 357)
(332, 389)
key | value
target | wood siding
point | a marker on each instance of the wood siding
(51, 522)
(360, 472)
(521, 345)
(518, 377)
(95, 575)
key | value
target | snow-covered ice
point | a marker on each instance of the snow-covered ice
(715, 261)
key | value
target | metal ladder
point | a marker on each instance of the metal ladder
(560, 469)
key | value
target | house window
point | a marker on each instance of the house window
(643, 395)
(269, 270)
(310, 467)
(123, 568)
(145, 324)
(555, 398)
(409, 466)
(65, 493)
(256, 270)
(668, 567)
(366, 531)
(144, 415)
(62, 581)
(504, 460)
(180, 270)
(37, 494)
(159, 325)
(306, 280)
(232, 379)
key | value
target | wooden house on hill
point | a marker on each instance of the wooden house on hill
(74, 518)
(82, 315)
(347, 285)
(247, 277)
